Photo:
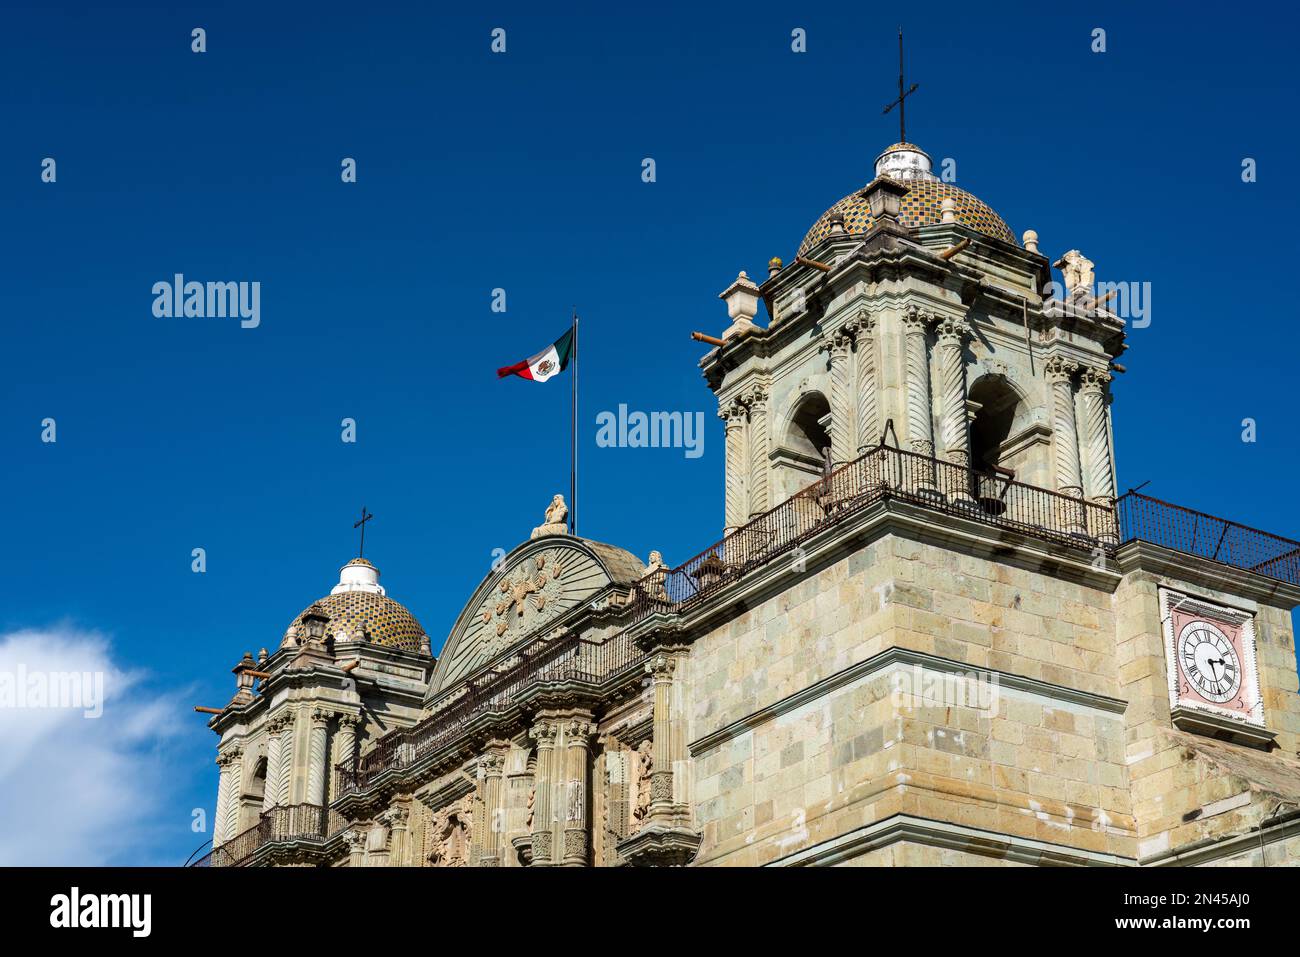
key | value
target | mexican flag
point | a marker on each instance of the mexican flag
(550, 361)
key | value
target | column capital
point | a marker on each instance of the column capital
(756, 396)
(349, 722)
(229, 756)
(661, 667)
(952, 331)
(543, 732)
(733, 414)
(916, 320)
(1092, 379)
(395, 816)
(863, 324)
(578, 731)
(355, 840)
(320, 717)
(1059, 370)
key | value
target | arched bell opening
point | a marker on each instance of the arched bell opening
(801, 447)
(1005, 441)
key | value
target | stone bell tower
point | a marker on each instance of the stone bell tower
(910, 315)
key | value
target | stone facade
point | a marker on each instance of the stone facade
(950, 651)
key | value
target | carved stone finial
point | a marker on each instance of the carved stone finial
(948, 210)
(557, 519)
(774, 265)
(1030, 239)
(741, 298)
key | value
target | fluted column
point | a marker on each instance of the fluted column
(760, 499)
(318, 757)
(543, 735)
(397, 819)
(841, 401)
(920, 434)
(274, 762)
(1065, 439)
(734, 416)
(492, 768)
(345, 747)
(577, 761)
(282, 785)
(1100, 486)
(864, 346)
(662, 806)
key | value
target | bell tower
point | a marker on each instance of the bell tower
(911, 316)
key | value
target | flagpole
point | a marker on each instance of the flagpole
(573, 442)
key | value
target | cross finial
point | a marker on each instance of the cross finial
(903, 94)
(361, 524)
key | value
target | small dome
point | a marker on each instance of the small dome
(910, 165)
(359, 609)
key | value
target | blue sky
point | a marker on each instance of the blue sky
(522, 171)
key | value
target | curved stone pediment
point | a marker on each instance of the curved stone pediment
(536, 584)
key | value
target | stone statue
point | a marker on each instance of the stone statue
(656, 563)
(557, 519)
(645, 765)
(1077, 271)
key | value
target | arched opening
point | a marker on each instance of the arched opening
(800, 447)
(256, 789)
(808, 432)
(1005, 441)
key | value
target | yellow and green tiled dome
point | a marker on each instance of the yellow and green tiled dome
(366, 616)
(359, 610)
(921, 206)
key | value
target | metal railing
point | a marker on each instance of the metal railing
(294, 822)
(883, 472)
(1142, 518)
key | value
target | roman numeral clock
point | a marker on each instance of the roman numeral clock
(1212, 668)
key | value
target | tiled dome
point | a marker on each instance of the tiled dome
(366, 616)
(919, 207)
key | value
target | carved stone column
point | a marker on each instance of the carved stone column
(318, 757)
(577, 751)
(916, 358)
(666, 838)
(234, 787)
(226, 760)
(274, 761)
(519, 800)
(734, 415)
(397, 820)
(1065, 439)
(952, 336)
(492, 768)
(282, 784)
(1101, 475)
(543, 734)
(760, 499)
(843, 433)
(345, 747)
(864, 346)
(356, 842)
(662, 807)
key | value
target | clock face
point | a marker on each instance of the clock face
(1209, 662)
(1211, 658)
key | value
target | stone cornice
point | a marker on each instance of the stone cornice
(957, 837)
(1205, 573)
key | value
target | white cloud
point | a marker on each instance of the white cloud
(77, 790)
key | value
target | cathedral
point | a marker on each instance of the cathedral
(931, 634)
